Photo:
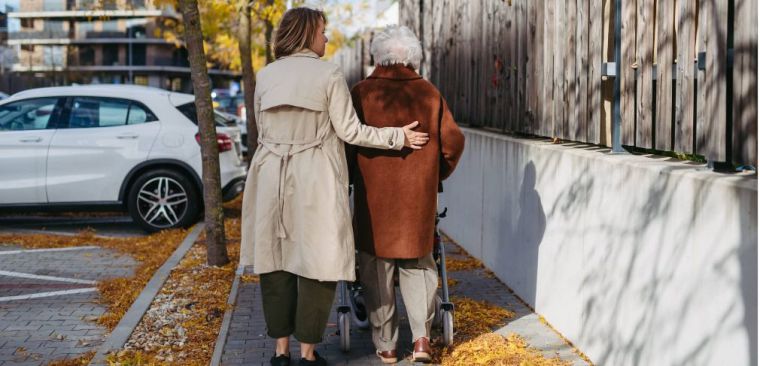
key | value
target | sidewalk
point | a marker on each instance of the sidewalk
(48, 301)
(247, 343)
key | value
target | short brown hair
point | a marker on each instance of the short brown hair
(297, 30)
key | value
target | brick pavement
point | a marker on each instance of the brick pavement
(36, 331)
(247, 343)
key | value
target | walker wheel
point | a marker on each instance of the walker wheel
(438, 312)
(359, 311)
(448, 328)
(344, 328)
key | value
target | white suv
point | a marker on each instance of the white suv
(110, 147)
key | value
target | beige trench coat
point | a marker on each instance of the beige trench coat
(295, 207)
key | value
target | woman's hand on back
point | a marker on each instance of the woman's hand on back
(412, 139)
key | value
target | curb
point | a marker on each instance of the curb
(221, 340)
(120, 335)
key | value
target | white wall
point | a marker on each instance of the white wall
(637, 260)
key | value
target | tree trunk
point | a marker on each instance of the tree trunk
(268, 28)
(216, 248)
(249, 76)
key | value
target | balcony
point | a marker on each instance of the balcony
(48, 34)
(65, 38)
(89, 14)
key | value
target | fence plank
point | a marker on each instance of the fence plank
(560, 91)
(499, 81)
(509, 64)
(581, 71)
(645, 45)
(522, 59)
(686, 36)
(460, 88)
(745, 83)
(486, 65)
(474, 60)
(595, 72)
(711, 127)
(538, 61)
(664, 105)
(628, 73)
(571, 123)
(547, 123)
(426, 38)
(409, 11)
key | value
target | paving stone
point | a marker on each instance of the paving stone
(35, 323)
(247, 343)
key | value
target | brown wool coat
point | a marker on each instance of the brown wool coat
(395, 197)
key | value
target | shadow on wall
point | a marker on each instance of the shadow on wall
(630, 316)
(522, 238)
(531, 224)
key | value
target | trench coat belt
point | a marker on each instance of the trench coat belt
(296, 147)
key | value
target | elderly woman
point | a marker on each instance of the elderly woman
(296, 228)
(396, 191)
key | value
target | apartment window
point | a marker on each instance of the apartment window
(53, 5)
(176, 84)
(53, 25)
(53, 56)
(136, 31)
(179, 56)
(84, 29)
(86, 56)
(109, 4)
(110, 25)
(141, 80)
(27, 23)
(110, 54)
(138, 54)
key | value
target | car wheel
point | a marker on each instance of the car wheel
(163, 199)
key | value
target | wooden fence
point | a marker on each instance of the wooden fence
(688, 72)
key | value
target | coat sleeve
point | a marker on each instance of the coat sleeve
(347, 125)
(452, 141)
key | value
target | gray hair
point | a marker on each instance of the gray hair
(396, 45)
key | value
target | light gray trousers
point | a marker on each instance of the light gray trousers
(418, 281)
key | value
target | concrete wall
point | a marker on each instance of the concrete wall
(637, 260)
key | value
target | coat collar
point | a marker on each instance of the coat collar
(395, 72)
(303, 53)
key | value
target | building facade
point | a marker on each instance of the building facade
(62, 42)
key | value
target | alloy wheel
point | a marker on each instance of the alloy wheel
(162, 202)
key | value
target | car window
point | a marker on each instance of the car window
(188, 109)
(139, 114)
(87, 112)
(31, 114)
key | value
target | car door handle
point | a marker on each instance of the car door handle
(31, 139)
(126, 137)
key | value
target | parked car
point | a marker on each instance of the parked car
(233, 120)
(110, 147)
(227, 103)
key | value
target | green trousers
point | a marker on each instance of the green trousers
(296, 305)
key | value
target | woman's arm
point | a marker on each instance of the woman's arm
(349, 129)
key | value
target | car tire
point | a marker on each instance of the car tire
(163, 199)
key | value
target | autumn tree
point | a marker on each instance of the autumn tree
(212, 189)
(249, 75)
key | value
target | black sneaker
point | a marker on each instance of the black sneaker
(318, 361)
(281, 360)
